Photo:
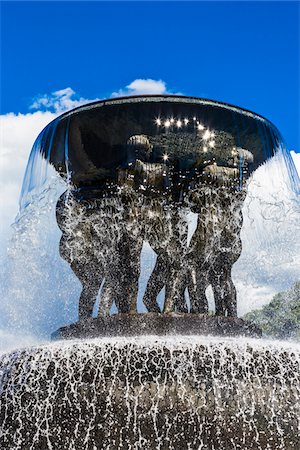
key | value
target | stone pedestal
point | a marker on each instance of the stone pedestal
(158, 325)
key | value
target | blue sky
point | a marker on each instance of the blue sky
(246, 53)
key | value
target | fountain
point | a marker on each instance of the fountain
(136, 170)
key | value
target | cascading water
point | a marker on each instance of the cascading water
(183, 393)
(129, 247)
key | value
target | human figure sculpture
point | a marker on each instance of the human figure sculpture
(77, 248)
(163, 227)
(102, 240)
(228, 248)
(198, 255)
(214, 248)
(166, 232)
(122, 259)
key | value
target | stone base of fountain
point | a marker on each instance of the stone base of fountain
(158, 325)
(167, 393)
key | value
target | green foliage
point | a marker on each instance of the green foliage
(281, 317)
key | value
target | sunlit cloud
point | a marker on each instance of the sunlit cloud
(59, 101)
(296, 159)
(66, 99)
(144, 86)
(18, 132)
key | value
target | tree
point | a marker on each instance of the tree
(281, 317)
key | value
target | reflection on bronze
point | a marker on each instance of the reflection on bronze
(136, 168)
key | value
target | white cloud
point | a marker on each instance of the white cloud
(143, 86)
(296, 159)
(18, 133)
(59, 101)
(66, 99)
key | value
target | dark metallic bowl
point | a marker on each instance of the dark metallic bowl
(157, 145)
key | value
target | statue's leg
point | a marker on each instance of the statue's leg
(217, 283)
(87, 300)
(167, 237)
(64, 249)
(171, 289)
(90, 278)
(156, 282)
(223, 287)
(91, 283)
(192, 288)
(176, 276)
(128, 272)
(197, 284)
(175, 300)
(225, 296)
(108, 294)
(179, 243)
(230, 295)
(127, 293)
(112, 288)
(218, 297)
(133, 295)
(180, 304)
(134, 273)
(175, 289)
